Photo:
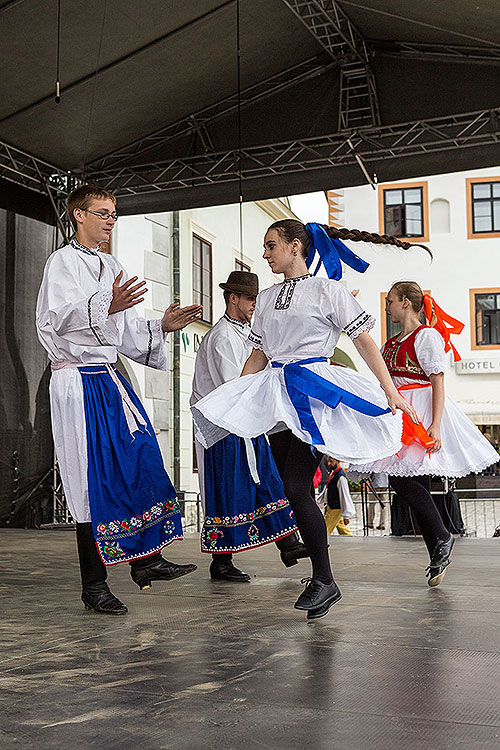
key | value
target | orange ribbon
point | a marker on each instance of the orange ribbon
(445, 324)
(415, 433)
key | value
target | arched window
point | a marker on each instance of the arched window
(440, 216)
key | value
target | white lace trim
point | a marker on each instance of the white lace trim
(434, 370)
(421, 471)
(363, 322)
(97, 309)
(157, 342)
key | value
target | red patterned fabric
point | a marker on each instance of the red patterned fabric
(401, 359)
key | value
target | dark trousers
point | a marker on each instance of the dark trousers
(92, 568)
(297, 466)
(285, 543)
(416, 492)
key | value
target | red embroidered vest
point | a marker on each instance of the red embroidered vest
(401, 359)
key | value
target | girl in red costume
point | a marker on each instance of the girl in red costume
(450, 445)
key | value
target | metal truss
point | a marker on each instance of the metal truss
(329, 151)
(456, 53)
(336, 33)
(198, 122)
(25, 169)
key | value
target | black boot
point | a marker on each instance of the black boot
(98, 597)
(222, 569)
(318, 597)
(95, 592)
(291, 549)
(156, 568)
(439, 561)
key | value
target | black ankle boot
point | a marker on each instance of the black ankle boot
(226, 571)
(156, 568)
(291, 549)
(98, 597)
(440, 560)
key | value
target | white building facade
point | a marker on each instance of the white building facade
(458, 217)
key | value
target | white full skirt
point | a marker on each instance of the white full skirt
(257, 404)
(464, 449)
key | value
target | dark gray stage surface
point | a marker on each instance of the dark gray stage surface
(201, 665)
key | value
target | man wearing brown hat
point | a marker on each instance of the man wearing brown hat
(241, 489)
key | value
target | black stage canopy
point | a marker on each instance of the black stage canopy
(151, 106)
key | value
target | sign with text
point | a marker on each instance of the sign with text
(478, 366)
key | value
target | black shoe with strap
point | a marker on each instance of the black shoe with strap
(98, 597)
(226, 571)
(439, 561)
(291, 549)
(156, 568)
(318, 596)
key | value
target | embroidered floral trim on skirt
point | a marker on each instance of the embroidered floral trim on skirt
(133, 503)
(241, 514)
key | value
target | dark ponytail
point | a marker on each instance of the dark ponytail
(290, 229)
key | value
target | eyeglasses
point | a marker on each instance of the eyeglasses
(104, 215)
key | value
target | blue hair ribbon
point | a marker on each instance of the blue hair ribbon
(331, 253)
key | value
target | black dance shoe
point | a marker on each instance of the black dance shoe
(159, 570)
(98, 597)
(439, 561)
(317, 596)
(226, 571)
(291, 555)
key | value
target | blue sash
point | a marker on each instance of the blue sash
(302, 384)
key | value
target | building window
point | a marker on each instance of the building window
(485, 318)
(404, 212)
(202, 276)
(483, 207)
(240, 266)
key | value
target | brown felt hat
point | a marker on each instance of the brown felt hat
(242, 282)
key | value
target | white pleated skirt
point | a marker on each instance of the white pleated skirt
(253, 405)
(465, 450)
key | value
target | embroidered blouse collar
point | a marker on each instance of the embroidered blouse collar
(297, 278)
(88, 250)
(235, 322)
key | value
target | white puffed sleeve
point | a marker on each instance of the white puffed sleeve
(255, 335)
(429, 348)
(65, 309)
(345, 312)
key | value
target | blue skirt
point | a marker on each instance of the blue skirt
(132, 500)
(240, 514)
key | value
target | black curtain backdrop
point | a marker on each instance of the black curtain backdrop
(25, 433)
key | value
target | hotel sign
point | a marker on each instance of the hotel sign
(477, 366)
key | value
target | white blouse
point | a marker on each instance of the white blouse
(304, 317)
(429, 348)
(221, 356)
(72, 317)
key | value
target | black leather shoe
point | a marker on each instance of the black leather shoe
(317, 595)
(439, 561)
(99, 598)
(291, 555)
(159, 570)
(226, 571)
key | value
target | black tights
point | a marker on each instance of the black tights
(297, 466)
(416, 491)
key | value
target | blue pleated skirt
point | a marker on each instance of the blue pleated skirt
(132, 501)
(241, 514)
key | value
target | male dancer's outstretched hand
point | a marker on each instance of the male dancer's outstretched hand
(126, 295)
(176, 317)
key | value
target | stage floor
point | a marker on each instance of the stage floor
(197, 665)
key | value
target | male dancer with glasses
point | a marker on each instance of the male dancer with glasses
(113, 476)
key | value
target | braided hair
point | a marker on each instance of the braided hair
(290, 229)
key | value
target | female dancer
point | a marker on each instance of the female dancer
(300, 398)
(453, 446)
